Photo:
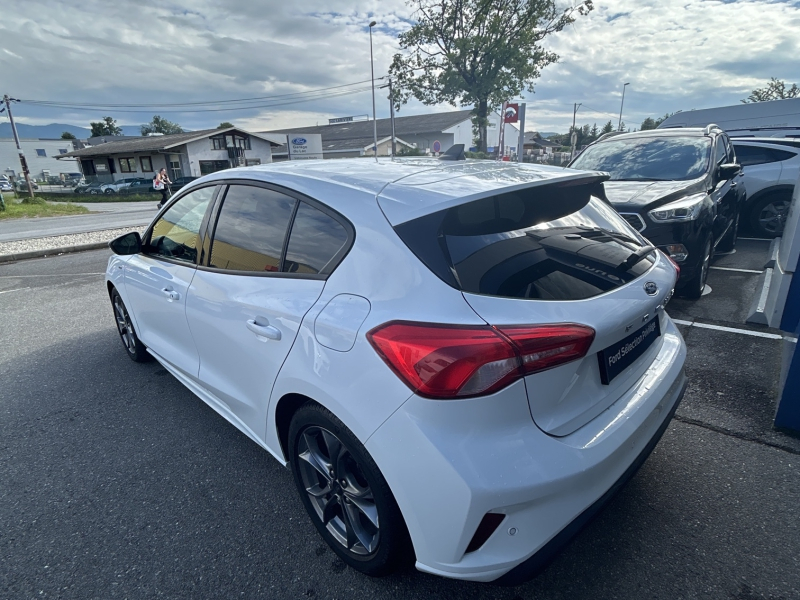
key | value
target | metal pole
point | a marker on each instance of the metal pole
(391, 116)
(621, 104)
(521, 143)
(22, 160)
(574, 135)
(372, 72)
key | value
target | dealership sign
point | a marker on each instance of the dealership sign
(304, 145)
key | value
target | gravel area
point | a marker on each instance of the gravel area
(60, 241)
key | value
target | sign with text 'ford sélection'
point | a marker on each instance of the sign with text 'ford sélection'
(303, 146)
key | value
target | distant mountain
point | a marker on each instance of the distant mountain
(547, 134)
(54, 130)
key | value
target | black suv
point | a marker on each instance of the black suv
(681, 188)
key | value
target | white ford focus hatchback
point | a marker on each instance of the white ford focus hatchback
(460, 361)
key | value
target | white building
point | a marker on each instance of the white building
(42, 156)
(189, 154)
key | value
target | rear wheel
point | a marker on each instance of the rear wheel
(768, 214)
(136, 350)
(694, 287)
(345, 494)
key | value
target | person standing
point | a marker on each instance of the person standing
(161, 182)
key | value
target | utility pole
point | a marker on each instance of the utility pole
(372, 76)
(22, 160)
(621, 104)
(391, 115)
(521, 142)
(574, 136)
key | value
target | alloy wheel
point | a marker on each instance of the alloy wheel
(124, 325)
(772, 217)
(338, 490)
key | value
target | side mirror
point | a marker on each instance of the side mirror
(130, 243)
(728, 171)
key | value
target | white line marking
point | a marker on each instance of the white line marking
(756, 239)
(761, 334)
(49, 275)
(736, 270)
(17, 290)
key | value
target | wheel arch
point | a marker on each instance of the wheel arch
(285, 410)
(768, 191)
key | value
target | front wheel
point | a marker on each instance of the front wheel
(695, 286)
(108, 192)
(768, 215)
(136, 350)
(345, 493)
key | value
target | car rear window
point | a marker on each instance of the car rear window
(546, 243)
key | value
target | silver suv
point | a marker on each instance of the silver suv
(771, 168)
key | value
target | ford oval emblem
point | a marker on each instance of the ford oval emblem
(650, 288)
(299, 141)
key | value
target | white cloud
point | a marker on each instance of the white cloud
(677, 55)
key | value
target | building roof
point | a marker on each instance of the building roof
(153, 143)
(347, 145)
(533, 137)
(410, 125)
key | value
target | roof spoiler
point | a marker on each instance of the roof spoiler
(454, 152)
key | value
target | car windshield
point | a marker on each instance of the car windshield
(648, 159)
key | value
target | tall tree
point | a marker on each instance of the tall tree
(108, 126)
(774, 90)
(479, 52)
(648, 123)
(161, 125)
(67, 136)
(607, 128)
(225, 125)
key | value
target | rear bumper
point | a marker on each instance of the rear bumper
(450, 462)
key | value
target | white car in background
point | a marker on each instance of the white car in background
(461, 362)
(770, 168)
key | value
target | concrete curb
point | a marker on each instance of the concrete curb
(7, 258)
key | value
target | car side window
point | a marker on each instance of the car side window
(251, 229)
(756, 155)
(314, 243)
(731, 156)
(720, 155)
(176, 233)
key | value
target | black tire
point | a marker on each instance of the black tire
(694, 287)
(768, 214)
(728, 243)
(108, 192)
(351, 474)
(134, 348)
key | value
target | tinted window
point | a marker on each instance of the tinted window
(507, 246)
(175, 233)
(251, 229)
(648, 159)
(315, 240)
(756, 155)
(720, 155)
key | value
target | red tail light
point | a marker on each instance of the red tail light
(453, 361)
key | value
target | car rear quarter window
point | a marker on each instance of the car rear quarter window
(315, 241)
(251, 229)
(176, 232)
(757, 155)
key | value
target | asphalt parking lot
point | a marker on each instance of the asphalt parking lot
(117, 482)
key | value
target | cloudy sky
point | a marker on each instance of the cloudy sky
(676, 54)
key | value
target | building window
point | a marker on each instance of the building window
(243, 143)
(249, 162)
(147, 164)
(62, 150)
(127, 165)
(218, 143)
(211, 166)
(40, 152)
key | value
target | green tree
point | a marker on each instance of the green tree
(160, 125)
(479, 52)
(774, 90)
(108, 126)
(225, 125)
(607, 128)
(594, 133)
(67, 136)
(648, 123)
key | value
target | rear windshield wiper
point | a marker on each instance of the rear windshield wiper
(636, 257)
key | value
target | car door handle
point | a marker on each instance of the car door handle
(733, 184)
(171, 295)
(267, 331)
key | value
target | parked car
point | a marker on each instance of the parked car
(93, 188)
(22, 185)
(444, 354)
(5, 186)
(180, 182)
(771, 167)
(140, 186)
(120, 184)
(681, 188)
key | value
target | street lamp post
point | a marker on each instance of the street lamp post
(372, 73)
(621, 104)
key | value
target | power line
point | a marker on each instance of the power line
(169, 104)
